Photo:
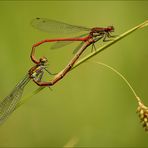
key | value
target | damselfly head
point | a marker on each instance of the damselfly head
(110, 29)
(43, 60)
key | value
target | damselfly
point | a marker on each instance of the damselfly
(9, 103)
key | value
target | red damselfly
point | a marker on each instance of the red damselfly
(51, 26)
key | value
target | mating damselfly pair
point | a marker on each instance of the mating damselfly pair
(9, 103)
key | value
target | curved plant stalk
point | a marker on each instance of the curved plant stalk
(120, 75)
(142, 110)
(102, 48)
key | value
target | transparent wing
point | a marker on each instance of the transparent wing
(52, 26)
(78, 47)
(60, 44)
(8, 104)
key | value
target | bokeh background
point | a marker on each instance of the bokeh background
(91, 106)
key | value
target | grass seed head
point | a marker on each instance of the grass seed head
(142, 110)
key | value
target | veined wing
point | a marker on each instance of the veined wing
(8, 104)
(60, 44)
(64, 43)
(53, 26)
(78, 47)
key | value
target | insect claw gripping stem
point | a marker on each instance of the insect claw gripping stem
(93, 47)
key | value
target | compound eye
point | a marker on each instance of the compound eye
(112, 28)
(43, 60)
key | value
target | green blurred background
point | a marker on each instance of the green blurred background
(91, 106)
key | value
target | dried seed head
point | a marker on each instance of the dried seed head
(142, 110)
(145, 120)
